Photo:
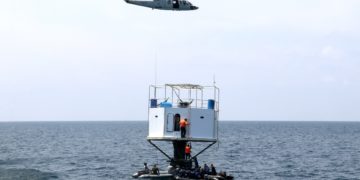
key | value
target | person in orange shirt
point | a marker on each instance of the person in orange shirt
(187, 152)
(183, 124)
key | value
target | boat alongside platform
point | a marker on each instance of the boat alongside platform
(164, 175)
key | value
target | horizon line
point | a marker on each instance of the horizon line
(19, 121)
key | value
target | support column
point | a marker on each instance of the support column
(179, 154)
(179, 150)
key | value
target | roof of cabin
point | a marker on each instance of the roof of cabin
(185, 86)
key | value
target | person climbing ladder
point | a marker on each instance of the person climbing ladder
(187, 152)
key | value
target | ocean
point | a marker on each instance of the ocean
(116, 150)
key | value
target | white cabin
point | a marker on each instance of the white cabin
(172, 102)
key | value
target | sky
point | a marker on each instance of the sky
(81, 60)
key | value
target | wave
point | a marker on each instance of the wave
(29, 174)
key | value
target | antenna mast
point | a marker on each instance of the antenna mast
(155, 69)
(214, 82)
(155, 75)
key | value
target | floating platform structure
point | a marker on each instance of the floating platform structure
(171, 103)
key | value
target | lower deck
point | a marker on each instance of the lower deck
(181, 139)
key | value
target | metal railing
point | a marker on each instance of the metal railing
(184, 96)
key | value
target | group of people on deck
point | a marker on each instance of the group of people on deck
(154, 170)
(197, 173)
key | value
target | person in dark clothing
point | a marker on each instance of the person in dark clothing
(201, 172)
(206, 169)
(146, 169)
(155, 170)
(196, 162)
(213, 170)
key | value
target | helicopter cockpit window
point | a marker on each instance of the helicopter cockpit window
(176, 4)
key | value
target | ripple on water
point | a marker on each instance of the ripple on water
(115, 150)
(28, 174)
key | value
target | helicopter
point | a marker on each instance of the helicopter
(175, 5)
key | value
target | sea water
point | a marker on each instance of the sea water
(115, 150)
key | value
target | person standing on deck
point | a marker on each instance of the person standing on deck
(183, 124)
(213, 170)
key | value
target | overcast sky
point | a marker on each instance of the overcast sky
(94, 60)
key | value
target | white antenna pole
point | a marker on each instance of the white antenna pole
(155, 75)
(214, 82)
(156, 69)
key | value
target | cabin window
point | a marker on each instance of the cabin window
(177, 122)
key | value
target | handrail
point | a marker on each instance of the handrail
(175, 93)
(192, 105)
